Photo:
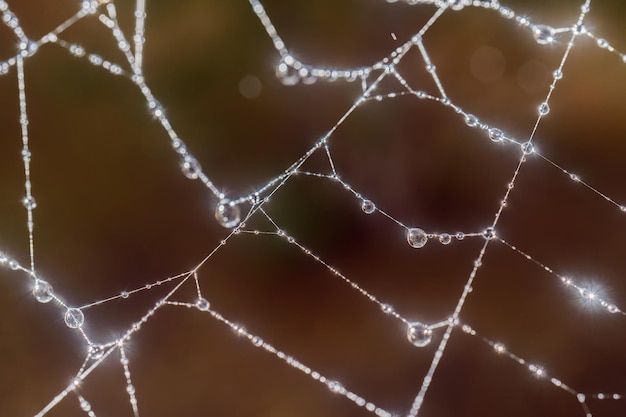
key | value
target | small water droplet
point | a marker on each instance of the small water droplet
(579, 29)
(602, 43)
(445, 239)
(557, 74)
(335, 386)
(387, 309)
(544, 108)
(543, 34)
(496, 135)
(368, 207)
(460, 235)
(499, 348)
(612, 308)
(124, 294)
(42, 291)
(456, 4)
(227, 214)
(416, 237)
(431, 68)
(203, 304)
(574, 177)
(74, 318)
(419, 334)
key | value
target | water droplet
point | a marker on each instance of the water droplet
(416, 237)
(579, 29)
(460, 236)
(557, 74)
(130, 389)
(445, 239)
(489, 233)
(431, 68)
(419, 334)
(471, 120)
(227, 214)
(74, 318)
(42, 291)
(574, 177)
(528, 148)
(544, 108)
(335, 386)
(191, 168)
(368, 207)
(543, 34)
(602, 43)
(124, 294)
(29, 202)
(496, 135)
(387, 309)
(203, 304)
(499, 348)
(456, 4)
(286, 73)
(612, 308)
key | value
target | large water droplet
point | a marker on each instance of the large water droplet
(368, 207)
(227, 214)
(471, 120)
(496, 135)
(419, 334)
(543, 34)
(42, 291)
(416, 237)
(203, 304)
(74, 318)
(191, 168)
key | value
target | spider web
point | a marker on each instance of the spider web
(387, 209)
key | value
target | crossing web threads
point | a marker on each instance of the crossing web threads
(406, 209)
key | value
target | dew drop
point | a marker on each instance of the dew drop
(557, 74)
(124, 294)
(191, 168)
(471, 120)
(460, 236)
(496, 135)
(489, 233)
(445, 239)
(387, 309)
(543, 34)
(29, 202)
(203, 304)
(612, 308)
(419, 334)
(416, 237)
(286, 73)
(42, 291)
(499, 348)
(74, 318)
(227, 214)
(431, 68)
(456, 4)
(544, 108)
(368, 206)
(528, 148)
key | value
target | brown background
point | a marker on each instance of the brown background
(114, 213)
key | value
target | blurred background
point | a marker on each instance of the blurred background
(115, 213)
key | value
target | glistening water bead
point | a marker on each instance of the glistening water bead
(544, 108)
(368, 207)
(416, 237)
(543, 34)
(227, 214)
(42, 291)
(419, 334)
(74, 318)
(203, 304)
